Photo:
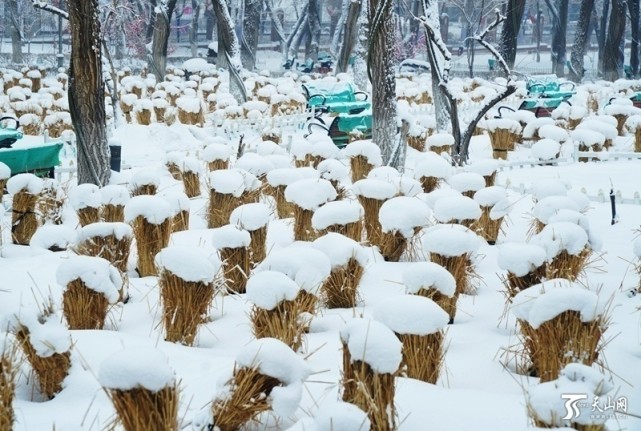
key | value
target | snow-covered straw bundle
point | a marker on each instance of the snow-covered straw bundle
(127, 103)
(567, 247)
(372, 194)
(276, 312)
(372, 355)
(30, 124)
(487, 168)
(144, 182)
(603, 124)
(143, 389)
(113, 198)
(172, 163)
(180, 206)
(401, 218)
(47, 348)
(633, 125)
(216, 156)
(86, 200)
(53, 237)
(416, 136)
(525, 266)
(279, 179)
(190, 110)
(547, 402)
(494, 207)
(143, 109)
(25, 189)
(457, 209)
(5, 174)
(418, 322)
(549, 206)
(160, 109)
(268, 375)
(111, 241)
(560, 323)
(226, 187)
(434, 282)
(307, 195)
(233, 245)
(588, 140)
(344, 217)
(363, 157)
(254, 219)
(431, 170)
(313, 150)
(190, 173)
(467, 183)
(91, 285)
(333, 416)
(186, 279)
(151, 219)
(453, 247)
(334, 171)
(621, 109)
(440, 143)
(50, 202)
(504, 134)
(8, 373)
(349, 260)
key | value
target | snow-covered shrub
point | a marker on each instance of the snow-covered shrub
(546, 149)
(190, 169)
(57, 123)
(253, 218)
(255, 164)
(143, 110)
(494, 207)
(531, 129)
(307, 195)
(8, 373)
(504, 135)
(487, 168)
(180, 206)
(431, 170)
(190, 110)
(144, 182)
(431, 280)
(457, 209)
(30, 124)
(279, 179)
(86, 200)
(363, 156)
(334, 171)
(548, 206)
(127, 103)
(401, 218)
(524, 263)
(233, 245)
(633, 125)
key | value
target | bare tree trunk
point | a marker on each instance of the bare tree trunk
(157, 58)
(560, 26)
(251, 25)
(230, 50)
(313, 21)
(633, 6)
(336, 45)
(350, 36)
(442, 110)
(362, 48)
(510, 31)
(210, 23)
(616, 27)
(193, 30)
(11, 20)
(581, 38)
(602, 34)
(86, 92)
(380, 66)
(295, 36)
(277, 27)
(149, 32)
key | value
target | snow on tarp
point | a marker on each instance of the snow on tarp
(136, 367)
(154, 209)
(456, 208)
(411, 314)
(286, 176)
(267, 289)
(450, 240)
(85, 196)
(340, 249)
(230, 236)
(520, 258)
(310, 193)
(426, 275)
(251, 216)
(96, 273)
(374, 343)
(27, 182)
(543, 302)
(367, 149)
(191, 264)
(403, 214)
(51, 235)
(374, 189)
(561, 236)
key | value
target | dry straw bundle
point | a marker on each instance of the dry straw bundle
(372, 194)
(432, 281)
(50, 203)
(226, 187)
(494, 207)
(567, 248)
(186, 289)
(560, 323)
(91, 285)
(8, 373)
(233, 245)
(190, 174)
(253, 218)
(431, 170)
(504, 134)
(401, 219)
(525, 266)
(113, 199)
(111, 241)
(25, 189)
(144, 183)
(150, 218)
(363, 156)
(142, 388)
(368, 378)
(86, 200)
(307, 195)
(143, 111)
(440, 143)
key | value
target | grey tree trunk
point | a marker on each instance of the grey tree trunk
(350, 36)
(470, 19)
(335, 46)
(581, 38)
(295, 35)
(510, 31)
(314, 23)
(230, 50)
(633, 6)
(616, 27)
(193, 30)
(157, 59)
(380, 66)
(560, 26)
(362, 47)
(602, 34)
(86, 92)
(251, 25)
(149, 32)
(12, 22)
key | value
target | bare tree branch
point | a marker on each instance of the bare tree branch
(39, 4)
(480, 38)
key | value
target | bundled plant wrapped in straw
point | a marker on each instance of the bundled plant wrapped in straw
(454, 248)
(275, 313)
(307, 195)
(418, 322)
(144, 182)
(86, 200)
(180, 207)
(233, 245)
(190, 169)
(401, 218)
(560, 323)
(216, 156)
(8, 373)
(440, 143)
(46, 345)
(633, 125)
(547, 403)
(431, 170)
(313, 150)
(226, 187)
(434, 282)
(277, 182)
(364, 156)
(143, 389)
(5, 174)
(372, 355)
(151, 220)
(525, 266)
(91, 285)
(494, 207)
(349, 260)
(31, 124)
(25, 189)
(372, 194)
(53, 237)
(173, 160)
(254, 219)
(344, 217)
(143, 110)
(127, 103)
(268, 375)
(568, 249)
(457, 209)
(50, 203)
(504, 134)
(186, 279)
(113, 199)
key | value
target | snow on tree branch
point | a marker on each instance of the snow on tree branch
(480, 38)
(39, 4)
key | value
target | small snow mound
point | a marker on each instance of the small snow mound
(95, 272)
(551, 205)
(490, 196)
(404, 214)
(546, 149)
(337, 213)
(429, 275)
(310, 193)
(103, 229)
(154, 209)
(191, 264)
(251, 216)
(136, 367)
(374, 343)
(5, 171)
(267, 289)
(228, 182)
(307, 266)
(520, 258)
(230, 236)
(286, 176)
(466, 181)
(85, 196)
(450, 240)
(24, 182)
(411, 314)
(562, 236)
(213, 152)
(548, 187)
(114, 194)
(341, 416)
(374, 189)
(456, 208)
(340, 249)
(332, 169)
(367, 149)
(53, 237)
(484, 167)
(432, 165)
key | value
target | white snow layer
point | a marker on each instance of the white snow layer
(251, 216)
(154, 209)
(374, 189)
(96, 273)
(136, 367)
(403, 214)
(230, 236)
(426, 275)
(411, 314)
(340, 249)
(450, 240)
(520, 258)
(267, 289)
(367, 149)
(374, 343)
(85, 196)
(337, 213)
(24, 182)
(50, 235)
(456, 208)
(191, 264)
(310, 193)
(307, 266)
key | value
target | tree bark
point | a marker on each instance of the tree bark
(86, 92)
(314, 23)
(295, 35)
(230, 50)
(335, 46)
(581, 40)
(11, 20)
(510, 31)
(251, 25)
(149, 32)
(560, 26)
(616, 27)
(157, 59)
(380, 66)
(602, 34)
(193, 30)
(362, 48)
(350, 36)
(633, 6)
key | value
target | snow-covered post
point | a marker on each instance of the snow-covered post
(90, 284)
(113, 199)
(342, 216)
(432, 281)
(525, 266)
(253, 218)
(25, 189)
(186, 279)
(86, 200)
(401, 218)
(418, 322)
(561, 322)
(372, 354)
(143, 389)
(233, 245)
(307, 195)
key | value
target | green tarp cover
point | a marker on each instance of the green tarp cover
(349, 123)
(10, 134)
(31, 158)
(338, 92)
(348, 107)
(636, 96)
(541, 103)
